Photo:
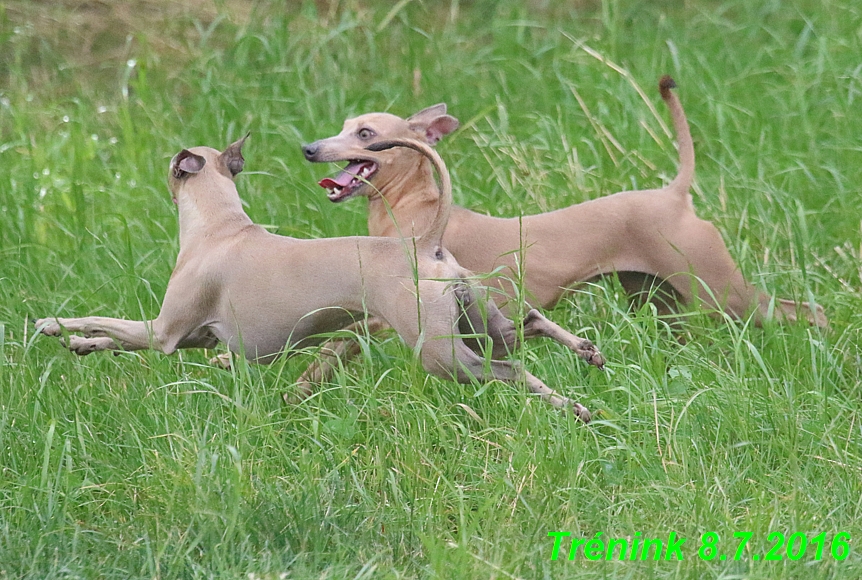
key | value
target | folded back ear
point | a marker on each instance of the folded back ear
(232, 156)
(433, 123)
(427, 114)
(186, 162)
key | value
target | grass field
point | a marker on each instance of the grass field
(147, 466)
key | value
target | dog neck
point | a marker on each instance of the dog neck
(209, 206)
(410, 194)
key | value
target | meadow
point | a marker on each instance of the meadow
(142, 465)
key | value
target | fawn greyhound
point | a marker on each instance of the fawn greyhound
(261, 293)
(641, 235)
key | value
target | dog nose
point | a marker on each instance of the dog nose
(310, 150)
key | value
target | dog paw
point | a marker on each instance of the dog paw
(293, 399)
(818, 317)
(84, 346)
(786, 311)
(581, 412)
(48, 327)
(223, 361)
(303, 391)
(588, 351)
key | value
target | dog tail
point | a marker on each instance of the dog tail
(432, 239)
(685, 175)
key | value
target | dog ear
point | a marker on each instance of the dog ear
(427, 114)
(232, 156)
(187, 162)
(433, 123)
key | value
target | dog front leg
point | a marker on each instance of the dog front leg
(101, 333)
(478, 318)
(447, 359)
(471, 366)
(547, 393)
(82, 346)
(536, 325)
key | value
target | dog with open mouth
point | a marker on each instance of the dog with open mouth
(372, 175)
(344, 185)
(645, 236)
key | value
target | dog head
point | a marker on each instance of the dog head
(367, 172)
(190, 162)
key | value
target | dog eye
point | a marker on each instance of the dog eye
(366, 133)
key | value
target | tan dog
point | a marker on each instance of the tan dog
(638, 234)
(261, 293)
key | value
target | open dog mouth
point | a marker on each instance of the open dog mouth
(349, 180)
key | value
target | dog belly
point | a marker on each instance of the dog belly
(262, 341)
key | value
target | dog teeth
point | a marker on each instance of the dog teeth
(365, 172)
(335, 190)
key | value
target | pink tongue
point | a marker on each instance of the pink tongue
(344, 178)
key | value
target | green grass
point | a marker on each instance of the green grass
(148, 466)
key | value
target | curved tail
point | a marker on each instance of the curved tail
(432, 239)
(685, 175)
